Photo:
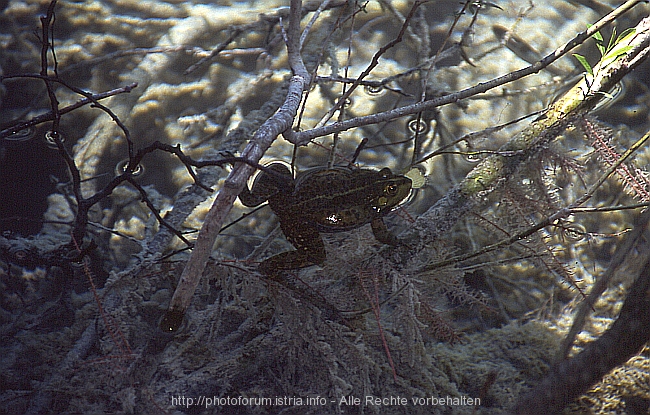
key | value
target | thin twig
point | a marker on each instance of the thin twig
(549, 220)
(374, 62)
(572, 377)
(11, 129)
(304, 137)
(47, 31)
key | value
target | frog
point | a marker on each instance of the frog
(324, 200)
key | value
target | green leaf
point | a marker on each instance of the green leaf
(584, 63)
(599, 41)
(619, 50)
(597, 35)
(611, 42)
(627, 33)
(613, 54)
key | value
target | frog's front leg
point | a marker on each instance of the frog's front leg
(310, 249)
(381, 232)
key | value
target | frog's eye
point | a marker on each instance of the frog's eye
(391, 189)
(385, 173)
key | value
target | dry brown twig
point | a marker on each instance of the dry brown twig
(281, 121)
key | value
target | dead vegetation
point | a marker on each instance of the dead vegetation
(514, 224)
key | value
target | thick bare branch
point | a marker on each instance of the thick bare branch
(492, 171)
(262, 140)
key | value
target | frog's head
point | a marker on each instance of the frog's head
(390, 191)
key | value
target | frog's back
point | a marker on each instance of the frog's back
(324, 184)
(339, 199)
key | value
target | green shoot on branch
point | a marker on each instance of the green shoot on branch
(608, 54)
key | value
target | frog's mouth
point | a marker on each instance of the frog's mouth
(408, 197)
(409, 194)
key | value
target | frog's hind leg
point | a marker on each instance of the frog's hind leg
(310, 249)
(307, 240)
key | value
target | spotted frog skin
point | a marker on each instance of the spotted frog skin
(324, 200)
